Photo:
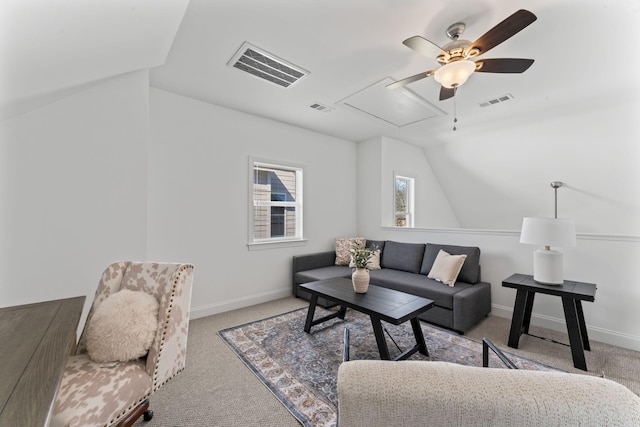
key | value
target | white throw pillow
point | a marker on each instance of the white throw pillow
(446, 267)
(123, 327)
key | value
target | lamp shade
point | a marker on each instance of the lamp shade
(454, 74)
(558, 232)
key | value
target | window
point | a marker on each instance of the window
(276, 193)
(403, 201)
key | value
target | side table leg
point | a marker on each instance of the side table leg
(382, 343)
(310, 313)
(575, 337)
(518, 318)
(528, 309)
(583, 326)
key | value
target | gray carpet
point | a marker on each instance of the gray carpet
(301, 369)
(217, 389)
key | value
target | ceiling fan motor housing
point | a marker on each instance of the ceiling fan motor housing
(457, 50)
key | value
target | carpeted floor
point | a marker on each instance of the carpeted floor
(301, 369)
(217, 389)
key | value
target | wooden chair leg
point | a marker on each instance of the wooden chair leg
(132, 417)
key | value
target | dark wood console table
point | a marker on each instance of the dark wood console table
(35, 341)
(572, 294)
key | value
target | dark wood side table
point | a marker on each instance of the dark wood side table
(35, 341)
(572, 294)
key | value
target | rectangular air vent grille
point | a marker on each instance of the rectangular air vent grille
(266, 66)
(497, 100)
(321, 107)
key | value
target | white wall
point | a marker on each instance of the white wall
(73, 190)
(496, 174)
(198, 197)
(432, 208)
(478, 174)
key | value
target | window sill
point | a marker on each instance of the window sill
(258, 246)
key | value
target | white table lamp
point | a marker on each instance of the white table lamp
(557, 232)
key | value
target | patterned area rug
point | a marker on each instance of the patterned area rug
(301, 369)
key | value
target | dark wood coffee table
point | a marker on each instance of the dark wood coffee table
(379, 303)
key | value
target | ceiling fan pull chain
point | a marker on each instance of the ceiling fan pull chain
(455, 111)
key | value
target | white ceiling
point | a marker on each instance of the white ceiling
(350, 45)
(584, 51)
(53, 47)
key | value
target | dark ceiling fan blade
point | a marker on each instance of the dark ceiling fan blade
(406, 81)
(503, 65)
(423, 46)
(446, 93)
(504, 30)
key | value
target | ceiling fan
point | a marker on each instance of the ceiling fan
(456, 57)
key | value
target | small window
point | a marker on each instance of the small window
(403, 201)
(276, 193)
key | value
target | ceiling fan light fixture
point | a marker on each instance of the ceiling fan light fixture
(454, 74)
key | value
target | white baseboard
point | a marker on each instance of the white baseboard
(606, 336)
(235, 303)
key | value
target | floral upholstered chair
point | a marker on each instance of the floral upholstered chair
(134, 341)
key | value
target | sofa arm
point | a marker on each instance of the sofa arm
(375, 393)
(471, 305)
(311, 261)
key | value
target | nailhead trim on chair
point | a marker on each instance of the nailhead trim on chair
(156, 386)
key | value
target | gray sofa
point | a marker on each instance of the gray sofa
(404, 267)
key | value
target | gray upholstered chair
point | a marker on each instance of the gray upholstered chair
(105, 394)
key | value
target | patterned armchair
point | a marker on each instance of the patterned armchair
(105, 394)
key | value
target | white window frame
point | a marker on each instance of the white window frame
(298, 238)
(410, 214)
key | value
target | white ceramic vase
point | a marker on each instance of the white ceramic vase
(360, 279)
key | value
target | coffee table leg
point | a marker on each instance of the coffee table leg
(417, 331)
(342, 312)
(382, 343)
(310, 313)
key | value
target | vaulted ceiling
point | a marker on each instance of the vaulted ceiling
(570, 117)
(583, 51)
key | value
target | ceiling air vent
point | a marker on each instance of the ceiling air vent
(266, 66)
(321, 107)
(497, 100)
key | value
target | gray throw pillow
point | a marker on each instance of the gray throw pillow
(375, 244)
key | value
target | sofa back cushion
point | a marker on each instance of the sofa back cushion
(375, 244)
(403, 256)
(470, 271)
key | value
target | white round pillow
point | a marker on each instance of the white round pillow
(122, 328)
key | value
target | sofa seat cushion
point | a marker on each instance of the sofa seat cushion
(323, 273)
(92, 392)
(417, 284)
